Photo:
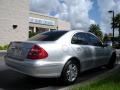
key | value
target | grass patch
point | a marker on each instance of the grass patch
(5, 47)
(110, 83)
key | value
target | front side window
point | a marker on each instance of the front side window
(85, 39)
(93, 40)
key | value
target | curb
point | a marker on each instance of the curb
(97, 78)
(1, 51)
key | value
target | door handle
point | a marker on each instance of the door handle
(78, 49)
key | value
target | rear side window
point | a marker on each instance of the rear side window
(79, 38)
(48, 36)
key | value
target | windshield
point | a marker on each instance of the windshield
(48, 36)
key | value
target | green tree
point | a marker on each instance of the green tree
(95, 29)
(31, 34)
(106, 38)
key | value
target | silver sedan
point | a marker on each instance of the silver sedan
(61, 54)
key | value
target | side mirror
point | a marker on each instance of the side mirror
(105, 45)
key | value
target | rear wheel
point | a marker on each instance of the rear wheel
(70, 73)
(112, 61)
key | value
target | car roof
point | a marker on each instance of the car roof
(71, 31)
(77, 31)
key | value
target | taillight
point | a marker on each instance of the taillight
(36, 52)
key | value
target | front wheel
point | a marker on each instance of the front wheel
(70, 73)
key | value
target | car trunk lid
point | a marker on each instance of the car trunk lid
(19, 50)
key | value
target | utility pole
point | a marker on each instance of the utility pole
(112, 11)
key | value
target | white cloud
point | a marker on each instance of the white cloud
(92, 21)
(104, 7)
(43, 6)
(63, 12)
(74, 11)
(77, 13)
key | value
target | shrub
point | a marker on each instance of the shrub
(4, 47)
(31, 34)
(1, 48)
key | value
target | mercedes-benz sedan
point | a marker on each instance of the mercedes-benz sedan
(61, 54)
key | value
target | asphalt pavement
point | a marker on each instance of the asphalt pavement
(11, 80)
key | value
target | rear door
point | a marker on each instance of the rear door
(83, 50)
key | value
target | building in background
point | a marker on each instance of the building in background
(63, 25)
(13, 20)
(40, 23)
(16, 21)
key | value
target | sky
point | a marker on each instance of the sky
(80, 13)
(94, 13)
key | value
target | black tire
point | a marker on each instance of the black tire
(65, 78)
(112, 61)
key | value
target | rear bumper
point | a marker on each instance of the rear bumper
(35, 68)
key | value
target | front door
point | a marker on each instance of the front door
(99, 50)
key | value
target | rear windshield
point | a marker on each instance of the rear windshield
(48, 36)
